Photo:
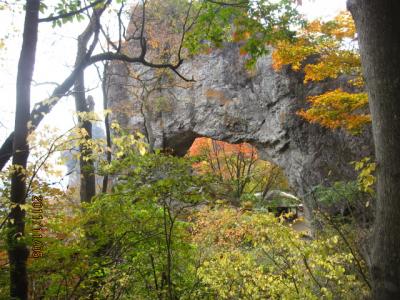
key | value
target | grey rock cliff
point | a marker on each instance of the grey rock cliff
(229, 103)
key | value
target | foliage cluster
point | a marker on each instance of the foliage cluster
(155, 236)
(325, 50)
(257, 24)
(250, 255)
(205, 25)
(236, 169)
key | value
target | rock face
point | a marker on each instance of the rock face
(229, 103)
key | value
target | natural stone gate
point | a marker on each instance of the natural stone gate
(229, 103)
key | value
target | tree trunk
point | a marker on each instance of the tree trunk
(378, 27)
(104, 88)
(87, 176)
(17, 249)
(86, 164)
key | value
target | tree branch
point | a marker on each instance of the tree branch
(237, 4)
(70, 14)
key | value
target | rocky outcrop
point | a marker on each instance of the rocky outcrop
(229, 103)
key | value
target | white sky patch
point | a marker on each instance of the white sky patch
(324, 9)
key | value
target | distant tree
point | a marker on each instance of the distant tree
(236, 168)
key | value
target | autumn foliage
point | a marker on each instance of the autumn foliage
(236, 169)
(338, 109)
(201, 144)
(326, 50)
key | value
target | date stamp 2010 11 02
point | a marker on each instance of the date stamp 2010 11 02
(37, 226)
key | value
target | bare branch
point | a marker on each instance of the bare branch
(140, 59)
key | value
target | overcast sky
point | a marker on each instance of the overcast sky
(55, 57)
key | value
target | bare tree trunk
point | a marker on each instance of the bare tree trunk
(86, 164)
(82, 105)
(17, 249)
(378, 27)
(104, 87)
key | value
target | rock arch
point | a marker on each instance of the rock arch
(229, 103)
